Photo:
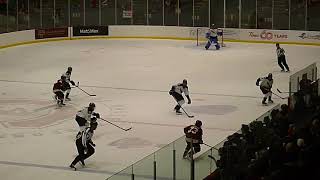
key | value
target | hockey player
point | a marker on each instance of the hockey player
(176, 91)
(193, 139)
(282, 58)
(68, 80)
(86, 115)
(59, 89)
(84, 144)
(212, 36)
(265, 84)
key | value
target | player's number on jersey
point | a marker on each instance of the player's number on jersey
(193, 130)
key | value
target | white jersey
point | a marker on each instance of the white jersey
(179, 88)
(212, 33)
(85, 136)
(84, 113)
(68, 76)
(266, 83)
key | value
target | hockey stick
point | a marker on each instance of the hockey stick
(84, 90)
(190, 116)
(210, 146)
(214, 159)
(116, 125)
(279, 96)
(281, 91)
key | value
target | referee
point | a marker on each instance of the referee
(282, 58)
(84, 144)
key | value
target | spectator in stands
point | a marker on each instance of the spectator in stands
(283, 120)
(306, 89)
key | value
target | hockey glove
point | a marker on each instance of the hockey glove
(189, 100)
(97, 115)
(72, 82)
(257, 82)
(93, 119)
(201, 141)
(170, 92)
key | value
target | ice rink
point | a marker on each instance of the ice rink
(131, 79)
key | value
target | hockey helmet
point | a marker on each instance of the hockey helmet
(91, 107)
(270, 76)
(185, 82)
(198, 123)
(63, 77)
(70, 68)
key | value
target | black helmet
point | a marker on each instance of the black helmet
(185, 81)
(91, 107)
(63, 77)
(198, 123)
(70, 68)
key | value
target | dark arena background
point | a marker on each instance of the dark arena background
(126, 55)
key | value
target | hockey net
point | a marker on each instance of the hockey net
(201, 36)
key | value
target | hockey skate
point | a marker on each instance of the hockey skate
(186, 156)
(178, 112)
(264, 101)
(67, 97)
(60, 103)
(73, 167)
(82, 163)
(270, 100)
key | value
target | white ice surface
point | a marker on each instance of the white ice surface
(131, 79)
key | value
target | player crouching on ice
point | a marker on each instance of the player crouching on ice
(176, 91)
(212, 36)
(265, 87)
(59, 89)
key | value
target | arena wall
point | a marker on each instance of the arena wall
(173, 33)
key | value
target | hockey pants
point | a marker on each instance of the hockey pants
(179, 99)
(81, 150)
(282, 62)
(212, 40)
